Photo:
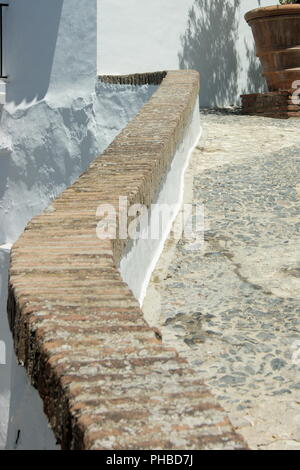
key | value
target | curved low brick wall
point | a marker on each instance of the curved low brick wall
(106, 379)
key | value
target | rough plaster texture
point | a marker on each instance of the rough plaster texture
(209, 36)
(106, 380)
(43, 148)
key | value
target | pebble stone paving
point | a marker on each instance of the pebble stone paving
(230, 305)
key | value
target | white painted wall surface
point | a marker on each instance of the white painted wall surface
(46, 146)
(50, 47)
(210, 36)
(5, 346)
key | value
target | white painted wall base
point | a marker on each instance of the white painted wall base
(28, 425)
(138, 263)
(6, 347)
(45, 147)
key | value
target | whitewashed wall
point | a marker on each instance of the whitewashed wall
(210, 36)
(50, 47)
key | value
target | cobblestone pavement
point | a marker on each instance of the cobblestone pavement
(232, 307)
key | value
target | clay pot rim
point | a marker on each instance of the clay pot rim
(276, 10)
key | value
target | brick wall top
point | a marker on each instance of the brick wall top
(152, 78)
(106, 379)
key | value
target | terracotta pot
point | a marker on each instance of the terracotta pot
(276, 32)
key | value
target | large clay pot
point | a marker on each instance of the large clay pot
(276, 32)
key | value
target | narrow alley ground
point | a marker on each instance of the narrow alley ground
(232, 306)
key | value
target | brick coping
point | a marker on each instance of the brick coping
(105, 378)
(150, 78)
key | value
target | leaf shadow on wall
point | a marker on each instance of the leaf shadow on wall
(209, 46)
(256, 83)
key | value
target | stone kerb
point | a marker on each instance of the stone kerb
(105, 378)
